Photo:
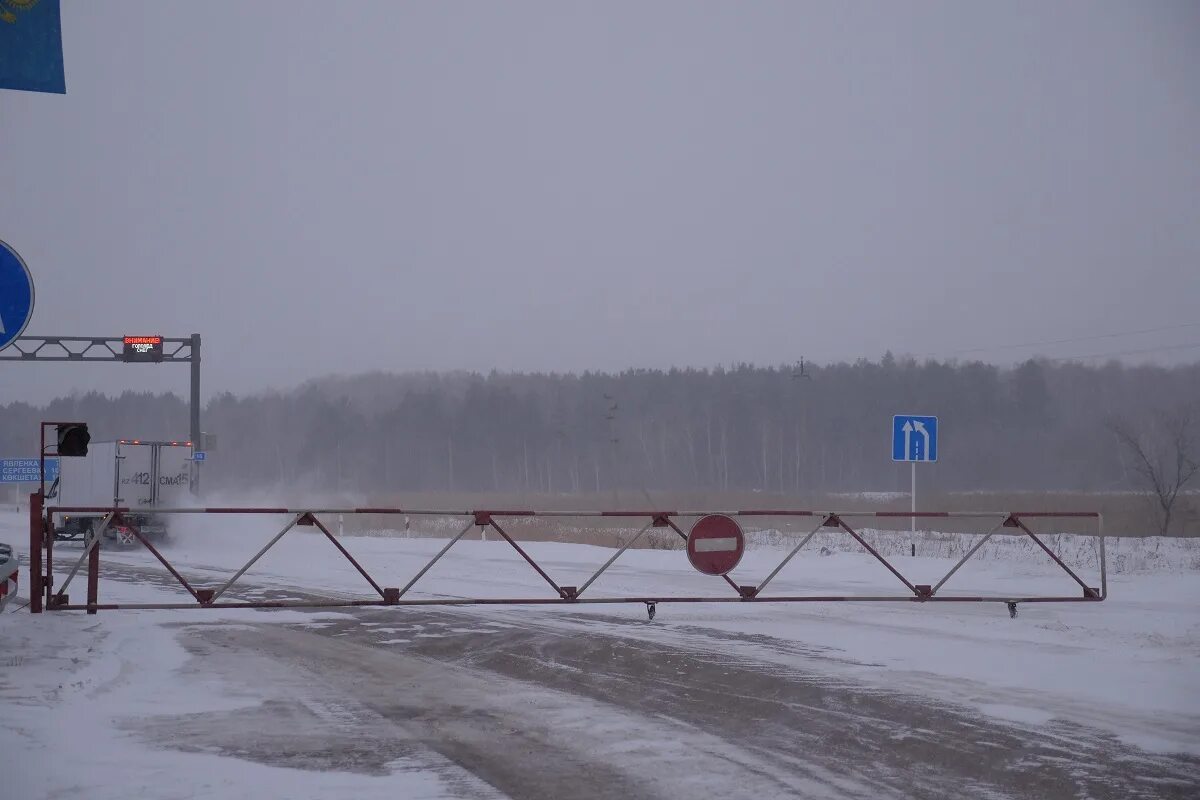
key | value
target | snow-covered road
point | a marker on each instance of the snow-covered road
(783, 700)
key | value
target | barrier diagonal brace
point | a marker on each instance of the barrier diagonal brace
(310, 519)
(146, 543)
(210, 598)
(86, 554)
(428, 566)
(965, 558)
(758, 590)
(1087, 590)
(491, 520)
(836, 520)
(651, 524)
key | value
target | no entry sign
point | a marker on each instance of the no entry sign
(715, 544)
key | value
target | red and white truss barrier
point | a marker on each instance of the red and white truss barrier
(44, 595)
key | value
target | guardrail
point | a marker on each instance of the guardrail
(43, 593)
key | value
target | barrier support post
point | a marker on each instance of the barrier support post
(48, 563)
(35, 552)
(93, 585)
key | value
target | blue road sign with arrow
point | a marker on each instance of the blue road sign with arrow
(914, 438)
(16, 295)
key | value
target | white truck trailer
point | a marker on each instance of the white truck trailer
(128, 473)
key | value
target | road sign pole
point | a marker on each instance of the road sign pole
(913, 495)
(914, 438)
(195, 410)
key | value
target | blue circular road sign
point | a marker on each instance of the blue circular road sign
(16, 295)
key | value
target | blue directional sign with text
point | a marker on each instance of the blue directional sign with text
(16, 295)
(25, 470)
(914, 438)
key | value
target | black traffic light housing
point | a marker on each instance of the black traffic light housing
(73, 439)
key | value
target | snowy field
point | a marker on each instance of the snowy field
(92, 704)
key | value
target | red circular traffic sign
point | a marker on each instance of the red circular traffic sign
(715, 544)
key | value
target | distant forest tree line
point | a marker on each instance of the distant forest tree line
(1038, 425)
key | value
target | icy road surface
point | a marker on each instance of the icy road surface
(820, 701)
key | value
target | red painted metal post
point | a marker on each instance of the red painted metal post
(35, 552)
(48, 575)
(93, 586)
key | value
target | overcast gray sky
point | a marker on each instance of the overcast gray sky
(325, 187)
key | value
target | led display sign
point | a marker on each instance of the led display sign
(143, 348)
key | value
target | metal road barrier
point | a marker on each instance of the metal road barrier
(8, 575)
(44, 594)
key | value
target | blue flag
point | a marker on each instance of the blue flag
(31, 56)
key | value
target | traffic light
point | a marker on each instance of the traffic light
(73, 440)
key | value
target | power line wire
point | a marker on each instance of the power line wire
(1060, 341)
(1129, 352)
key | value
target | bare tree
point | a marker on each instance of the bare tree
(1166, 456)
